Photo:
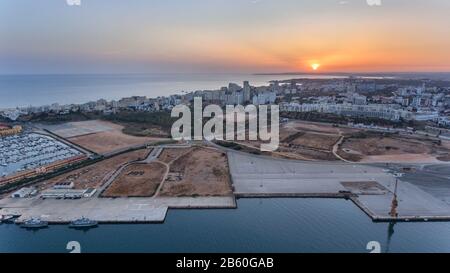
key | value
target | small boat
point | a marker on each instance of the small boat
(83, 223)
(7, 218)
(34, 223)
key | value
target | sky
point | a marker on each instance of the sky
(221, 36)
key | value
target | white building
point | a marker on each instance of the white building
(24, 192)
(267, 97)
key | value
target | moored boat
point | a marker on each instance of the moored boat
(7, 218)
(34, 223)
(83, 223)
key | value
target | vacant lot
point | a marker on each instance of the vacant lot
(201, 172)
(315, 141)
(137, 180)
(170, 154)
(392, 148)
(110, 140)
(308, 141)
(95, 175)
(316, 127)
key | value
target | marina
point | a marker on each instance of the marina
(31, 151)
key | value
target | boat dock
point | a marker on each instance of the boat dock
(107, 210)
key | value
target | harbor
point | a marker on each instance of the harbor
(257, 225)
(30, 152)
(371, 187)
(107, 210)
(379, 192)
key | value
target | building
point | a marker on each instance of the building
(89, 192)
(63, 185)
(68, 193)
(247, 91)
(24, 192)
(388, 112)
(266, 97)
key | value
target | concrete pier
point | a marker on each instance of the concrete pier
(108, 210)
(372, 190)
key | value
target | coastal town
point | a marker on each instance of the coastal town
(378, 98)
(370, 140)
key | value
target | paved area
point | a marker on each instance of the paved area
(261, 176)
(433, 179)
(79, 128)
(253, 174)
(108, 210)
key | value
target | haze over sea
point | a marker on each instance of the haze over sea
(38, 90)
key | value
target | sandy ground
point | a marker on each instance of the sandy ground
(308, 141)
(204, 172)
(316, 141)
(137, 180)
(110, 140)
(393, 149)
(168, 155)
(95, 175)
(304, 141)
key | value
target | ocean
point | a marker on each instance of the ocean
(38, 90)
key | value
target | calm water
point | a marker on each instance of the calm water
(24, 90)
(258, 225)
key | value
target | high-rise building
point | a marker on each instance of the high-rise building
(246, 92)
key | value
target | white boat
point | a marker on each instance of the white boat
(34, 223)
(83, 223)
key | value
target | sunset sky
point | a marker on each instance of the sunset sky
(113, 36)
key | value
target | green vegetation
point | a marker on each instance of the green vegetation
(57, 118)
(366, 134)
(336, 119)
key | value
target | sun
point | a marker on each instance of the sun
(315, 66)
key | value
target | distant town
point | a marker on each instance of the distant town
(395, 100)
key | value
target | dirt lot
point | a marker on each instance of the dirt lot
(95, 175)
(137, 180)
(316, 127)
(201, 172)
(315, 141)
(110, 140)
(308, 141)
(168, 155)
(393, 148)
